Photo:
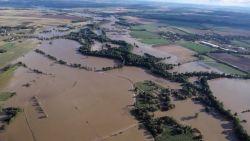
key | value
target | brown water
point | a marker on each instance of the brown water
(194, 66)
(235, 95)
(183, 55)
(212, 126)
(67, 50)
(80, 105)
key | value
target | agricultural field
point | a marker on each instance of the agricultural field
(145, 33)
(18, 17)
(220, 66)
(15, 50)
(239, 43)
(242, 63)
(145, 27)
(196, 47)
(6, 75)
(6, 95)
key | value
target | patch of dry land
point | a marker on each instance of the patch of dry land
(14, 17)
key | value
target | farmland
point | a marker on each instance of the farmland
(15, 50)
(145, 33)
(220, 66)
(124, 73)
(243, 63)
(196, 47)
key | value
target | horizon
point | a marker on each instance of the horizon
(224, 3)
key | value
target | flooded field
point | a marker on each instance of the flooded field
(95, 105)
(212, 126)
(69, 93)
(183, 55)
(194, 66)
(67, 50)
(235, 95)
(134, 74)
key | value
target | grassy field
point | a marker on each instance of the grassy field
(241, 44)
(15, 50)
(222, 67)
(6, 75)
(6, 95)
(196, 47)
(147, 27)
(146, 34)
(149, 37)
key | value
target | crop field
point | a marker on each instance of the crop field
(222, 67)
(6, 76)
(242, 63)
(196, 47)
(149, 37)
(146, 27)
(244, 44)
(6, 95)
(15, 50)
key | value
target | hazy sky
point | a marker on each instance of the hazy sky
(213, 2)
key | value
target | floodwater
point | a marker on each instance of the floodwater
(67, 50)
(50, 32)
(135, 74)
(91, 106)
(183, 55)
(212, 126)
(235, 96)
(80, 105)
(195, 66)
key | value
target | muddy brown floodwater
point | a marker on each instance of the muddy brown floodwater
(84, 105)
(212, 126)
(66, 50)
(235, 96)
(80, 105)
(183, 55)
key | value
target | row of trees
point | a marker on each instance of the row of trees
(210, 100)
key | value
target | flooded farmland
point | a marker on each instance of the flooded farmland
(235, 96)
(212, 126)
(66, 50)
(66, 96)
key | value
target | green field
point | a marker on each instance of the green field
(147, 27)
(222, 67)
(6, 95)
(149, 37)
(196, 47)
(244, 44)
(6, 75)
(15, 50)
(146, 34)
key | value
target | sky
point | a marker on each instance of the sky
(212, 2)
